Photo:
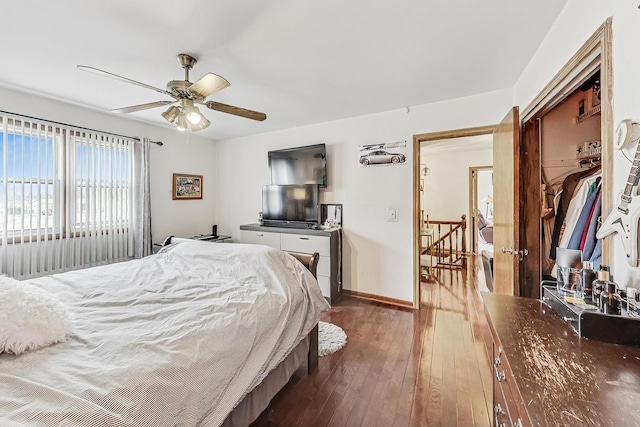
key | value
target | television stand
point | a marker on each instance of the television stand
(292, 224)
(328, 243)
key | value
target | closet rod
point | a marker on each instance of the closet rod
(159, 143)
(591, 162)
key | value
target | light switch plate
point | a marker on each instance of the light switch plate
(392, 215)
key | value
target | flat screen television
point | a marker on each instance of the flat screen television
(290, 205)
(299, 165)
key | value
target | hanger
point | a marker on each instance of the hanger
(590, 162)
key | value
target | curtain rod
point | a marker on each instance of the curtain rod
(158, 143)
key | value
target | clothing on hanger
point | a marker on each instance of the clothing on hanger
(585, 215)
(575, 208)
(589, 238)
(563, 199)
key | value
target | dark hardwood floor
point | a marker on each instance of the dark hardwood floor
(400, 367)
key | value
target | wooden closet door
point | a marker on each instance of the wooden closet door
(530, 209)
(506, 190)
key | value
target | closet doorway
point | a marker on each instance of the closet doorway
(556, 127)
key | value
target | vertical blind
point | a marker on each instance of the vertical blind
(65, 197)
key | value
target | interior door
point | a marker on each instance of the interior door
(506, 190)
(530, 209)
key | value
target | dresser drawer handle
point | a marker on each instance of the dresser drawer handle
(304, 238)
(259, 234)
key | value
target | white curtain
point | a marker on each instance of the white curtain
(65, 197)
(141, 226)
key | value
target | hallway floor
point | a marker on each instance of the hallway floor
(400, 367)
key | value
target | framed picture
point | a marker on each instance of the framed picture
(331, 215)
(385, 154)
(187, 187)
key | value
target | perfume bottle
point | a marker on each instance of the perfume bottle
(610, 300)
(588, 276)
(598, 285)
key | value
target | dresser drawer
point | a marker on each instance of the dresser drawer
(505, 406)
(306, 244)
(500, 415)
(260, 238)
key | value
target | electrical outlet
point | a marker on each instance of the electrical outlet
(392, 215)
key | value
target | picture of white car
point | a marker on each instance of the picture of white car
(381, 156)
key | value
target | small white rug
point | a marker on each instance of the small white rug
(331, 338)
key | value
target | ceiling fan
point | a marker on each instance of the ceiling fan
(183, 111)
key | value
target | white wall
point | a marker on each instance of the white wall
(446, 195)
(577, 22)
(169, 217)
(485, 188)
(378, 255)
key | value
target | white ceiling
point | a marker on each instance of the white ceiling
(300, 62)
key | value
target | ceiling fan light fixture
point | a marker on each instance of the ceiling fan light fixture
(171, 114)
(203, 123)
(193, 115)
(181, 122)
(190, 111)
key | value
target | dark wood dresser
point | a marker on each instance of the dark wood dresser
(545, 375)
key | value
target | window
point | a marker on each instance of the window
(102, 186)
(27, 185)
(64, 185)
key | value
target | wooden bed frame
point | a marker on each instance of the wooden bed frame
(311, 262)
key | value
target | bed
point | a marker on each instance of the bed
(198, 334)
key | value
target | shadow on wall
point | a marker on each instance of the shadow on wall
(335, 165)
(350, 270)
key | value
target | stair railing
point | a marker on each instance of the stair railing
(449, 245)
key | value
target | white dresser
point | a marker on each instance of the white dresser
(327, 243)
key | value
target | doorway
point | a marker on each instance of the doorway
(481, 208)
(595, 56)
(437, 176)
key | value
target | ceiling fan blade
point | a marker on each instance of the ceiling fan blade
(208, 84)
(141, 107)
(230, 109)
(122, 79)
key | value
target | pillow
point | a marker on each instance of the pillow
(30, 317)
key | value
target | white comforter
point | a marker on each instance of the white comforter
(177, 338)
